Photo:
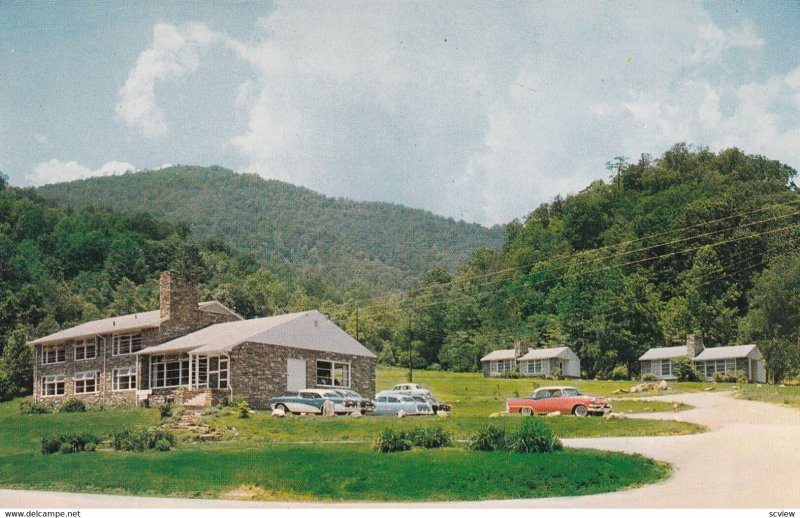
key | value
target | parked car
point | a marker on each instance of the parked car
(567, 400)
(391, 403)
(412, 389)
(310, 401)
(436, 405)
(423, 405)
(364, 405)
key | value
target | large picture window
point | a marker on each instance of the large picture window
(86, 349)
(501, 366)
(126, 344)
(537, 366)
(709, 367)
(333, 374)
(169, 371)
(124, 379)
(662, 367)
(86, 382)
(54, 354)
(53, 385)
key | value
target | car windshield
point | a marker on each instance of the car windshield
(571, 392)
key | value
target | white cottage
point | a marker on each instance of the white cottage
(532, 362)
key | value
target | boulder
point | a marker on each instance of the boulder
(614, 415)
(278, 412)
(675, 406)
(663, 385)
(401, 414)
(441, 413)
(633, 390)
(357, 413)
(708, 389)
(494, 414)
(554, 414)
(328, 408)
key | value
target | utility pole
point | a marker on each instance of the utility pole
(410, 359)
(357, 340)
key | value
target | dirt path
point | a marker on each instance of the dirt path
(748, 459)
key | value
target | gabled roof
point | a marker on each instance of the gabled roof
(723, 353)
(500, 354)
(541, 354)
(664, 353)
(305, 330)
(123, 323)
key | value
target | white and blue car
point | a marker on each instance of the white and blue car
(392, 403)
(310, 401)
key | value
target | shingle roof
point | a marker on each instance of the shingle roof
(664, 353)
(122, 323)
(305, 330)
(500, 354)
(541, 354)
(721, 353)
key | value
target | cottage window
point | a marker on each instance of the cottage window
(86, 349)
(662, 367)
(124, 379)
(501, 366)
(218, 372)
(54, 354)
(333, 374)
(86, 382)
(126, 344)
(169, 371)
(537, 366)
(53, 385)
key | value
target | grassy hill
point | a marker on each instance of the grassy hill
(358, 247)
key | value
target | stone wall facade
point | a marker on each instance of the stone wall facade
(259, 372)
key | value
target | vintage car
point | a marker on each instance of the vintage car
(310, 401)
(424, 406)
(412, 389)
(364, 405)
(391, 403)
(436, 404)
(567, 400)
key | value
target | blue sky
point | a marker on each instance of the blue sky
(479, 111)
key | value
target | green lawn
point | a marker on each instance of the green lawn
(788, 395)
(332, 472)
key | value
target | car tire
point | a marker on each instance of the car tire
(284, 408)
(526, 411)
(580, 411)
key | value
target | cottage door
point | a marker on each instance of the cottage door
(295, 375)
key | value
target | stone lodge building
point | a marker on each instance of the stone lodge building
(197, 354)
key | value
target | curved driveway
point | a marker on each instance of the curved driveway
(748, 459)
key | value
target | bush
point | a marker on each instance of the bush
(65, 447)
(244, 410)
(430, 437)
(70, 443)
(741, 377)
(165, 410)
(684, 369)
(391, 440)
(162, 445)
(50, 445)
(488, 438)
(72, 405)
(620, 372)
(140, 439)
(534, 436)
(36, 407)
(649, 377)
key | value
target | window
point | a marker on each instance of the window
(501, 366)
(124, 379)
(126, 344)
(169, 371)
(333, 374)
(86, 382)
(537, 366)
(709, 367)
(662, 367)
(85, 349)
(53, 385)
(54, 354)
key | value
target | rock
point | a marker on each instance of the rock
(278, 412)
(708, 389)
(634, 389)
(618, 391)
(494, 414)
(303, 413)
(675, 406)
(357, 413)
(554, 414)
(614, 415)
(401, 413)
(328, 408)
(441, 413)
(663, 385)
(758, 385)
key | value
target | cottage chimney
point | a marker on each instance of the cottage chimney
(694, 345)
(178, 295)
(520, 348)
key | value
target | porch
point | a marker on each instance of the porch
(187, 379)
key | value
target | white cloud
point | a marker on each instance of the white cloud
(56, 171)
(173, 53)
(713, 41)
(41, 139)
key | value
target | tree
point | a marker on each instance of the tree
(3, 181)
(17, 362)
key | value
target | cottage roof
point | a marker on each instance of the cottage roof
(500, 354)
(122, 323)
(723, 353)
(305, 330)
(664, 353)
(541, 354)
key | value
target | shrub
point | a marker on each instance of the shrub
(72, 405)
(244, 410)
(741, 377)
(36, 407)
(65, 447)
(430, 437)
(165, 410)
(50, 445)
(140, 439)
(391, 440)
(162, 445)
(620, 372)
(534, 436)
(488, 438)
(684, 369)
(90, 446)
(721, 377)
(70, 443)
(649, 377)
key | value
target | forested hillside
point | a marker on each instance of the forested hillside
(60, 267)
(363, 249)
(691, 242)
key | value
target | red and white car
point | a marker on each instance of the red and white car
(567, 400)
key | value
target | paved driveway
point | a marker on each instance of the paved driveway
(749, 458)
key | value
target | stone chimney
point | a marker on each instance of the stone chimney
(520, 348)
(178, 295)
(694, 345)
